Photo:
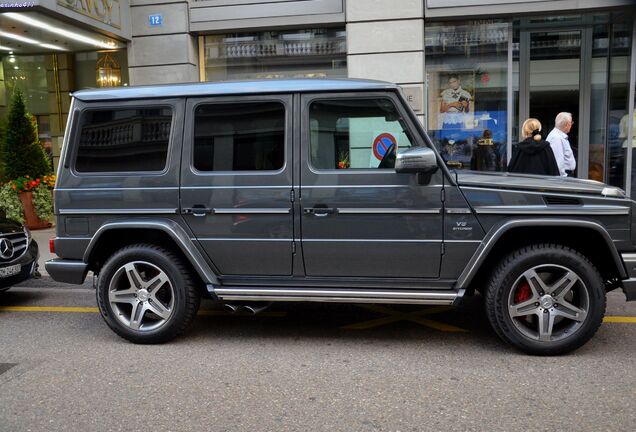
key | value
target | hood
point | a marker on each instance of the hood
(503, 180)
(9, 226)
(531, 146)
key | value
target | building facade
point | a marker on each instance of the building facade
(473, 70)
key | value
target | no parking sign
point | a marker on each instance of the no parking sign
(382, 143)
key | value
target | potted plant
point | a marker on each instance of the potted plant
(36, 201)
(23, 169)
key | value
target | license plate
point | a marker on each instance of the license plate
(10, 271)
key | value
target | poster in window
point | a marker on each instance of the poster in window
(456, 99)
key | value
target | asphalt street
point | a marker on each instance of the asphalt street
(303, 367)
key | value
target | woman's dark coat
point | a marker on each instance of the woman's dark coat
(533, 157)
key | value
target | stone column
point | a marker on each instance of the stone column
(165, 53)
(385, 41)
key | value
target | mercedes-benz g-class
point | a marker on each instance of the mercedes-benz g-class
(320, 190)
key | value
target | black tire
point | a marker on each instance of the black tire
(179, 288)
(579, 286)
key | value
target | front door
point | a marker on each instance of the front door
(359, 217)
(237, 180)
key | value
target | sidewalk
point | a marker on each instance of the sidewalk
(42, 237)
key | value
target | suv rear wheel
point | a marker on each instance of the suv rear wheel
(146, 294)
(546, 299)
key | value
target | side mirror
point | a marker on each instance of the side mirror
(416, 160)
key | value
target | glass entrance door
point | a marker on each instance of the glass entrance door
(550, 76)
(555, 64)
(580, 64)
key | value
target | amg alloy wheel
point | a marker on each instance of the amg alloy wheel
(146, 294)
(546, 299)
(141, 296)
(548, 303)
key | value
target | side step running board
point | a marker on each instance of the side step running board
(335, 295)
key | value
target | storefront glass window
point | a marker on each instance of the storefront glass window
(618, 103)
(467, 88)
(598, 98)
(276, 54)
(86, 64)
(27, 73)
(630, 124)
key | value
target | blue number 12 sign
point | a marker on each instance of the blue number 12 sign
(156, 20)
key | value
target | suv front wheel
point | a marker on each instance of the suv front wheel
(546, 299)
(146, 294)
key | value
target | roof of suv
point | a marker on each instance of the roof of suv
(232, 88)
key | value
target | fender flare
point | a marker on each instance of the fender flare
(495, 233)
(168, 226)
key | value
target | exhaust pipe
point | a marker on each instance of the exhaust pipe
(231, 308)
(246, 308)
(255, 308)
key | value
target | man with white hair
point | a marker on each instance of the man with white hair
(558, 139)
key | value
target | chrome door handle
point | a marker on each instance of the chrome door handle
(319, 211)
(197, 211)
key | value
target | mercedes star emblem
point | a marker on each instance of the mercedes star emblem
(6, 248)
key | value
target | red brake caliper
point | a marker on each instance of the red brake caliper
(523, 292)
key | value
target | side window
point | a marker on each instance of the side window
(246, 136)
(124, 140)
(363, 133)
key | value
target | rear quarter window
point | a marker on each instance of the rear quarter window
(124, 140)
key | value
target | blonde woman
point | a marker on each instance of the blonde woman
(533, 155)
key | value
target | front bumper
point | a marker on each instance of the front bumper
(29, 262)
(629, 285)
(68, 271)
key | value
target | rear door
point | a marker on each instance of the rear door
(360, 218)
(236, 181)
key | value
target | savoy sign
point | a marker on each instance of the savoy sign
(106, 11)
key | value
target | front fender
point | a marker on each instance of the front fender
(497, 231)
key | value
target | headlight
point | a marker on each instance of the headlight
(27, 233)
(613, 192)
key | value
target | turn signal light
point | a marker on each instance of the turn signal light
(52, 245)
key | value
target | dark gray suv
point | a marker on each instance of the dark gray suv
(320, 190)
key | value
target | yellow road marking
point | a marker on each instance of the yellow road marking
(439, 325)
(620, 319)
(416, 317)
(393, 316)
(48, 309)
(64, 309)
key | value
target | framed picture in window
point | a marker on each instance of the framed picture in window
(456, 99)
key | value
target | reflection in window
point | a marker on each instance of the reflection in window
(355, 133)
(467, 76)
(123, 140)
(239, 136)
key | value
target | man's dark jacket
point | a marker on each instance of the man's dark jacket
(533, 157)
